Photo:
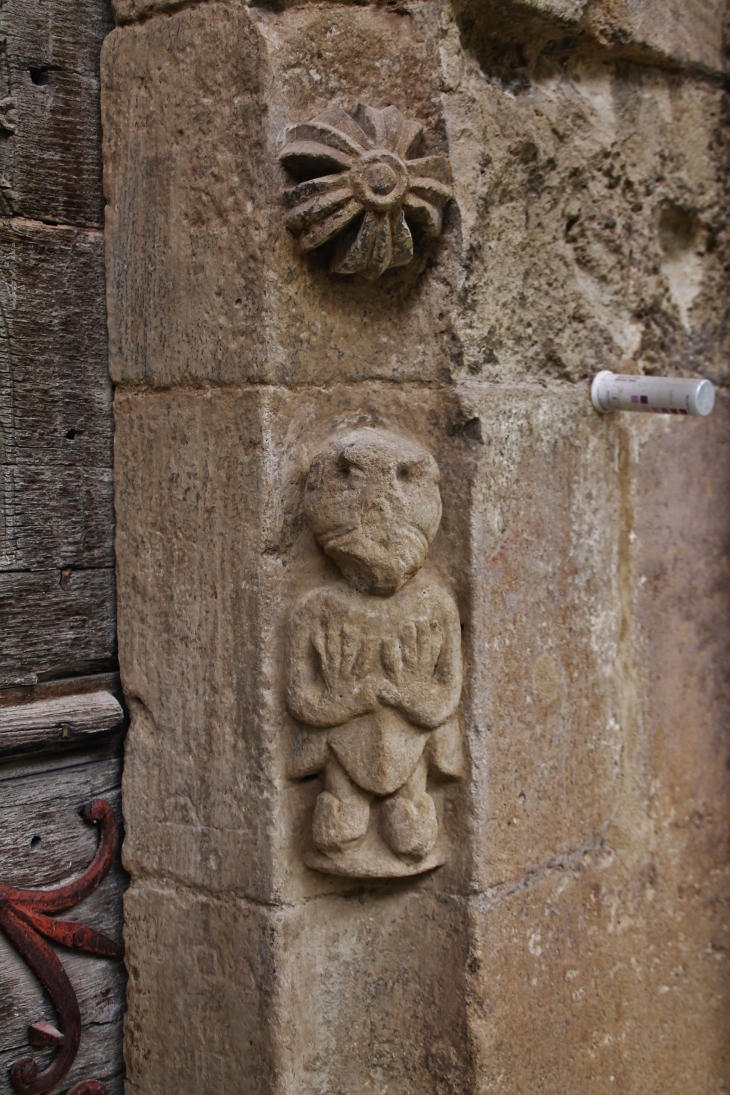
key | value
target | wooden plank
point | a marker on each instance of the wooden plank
(64, 33)
(99, 1058)
(49, 629)
(57, 723)
(55, 455)
(44, 841)
(57, 517)
(100, 1052)
(87, 711)
(53, 160)
(66, 686)
(43, 838)
(106, 750)
(54, 379)
(52, 163)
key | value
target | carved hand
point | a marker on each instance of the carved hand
(423, 676)
(340, 653)
(341, 687)
(412, 657)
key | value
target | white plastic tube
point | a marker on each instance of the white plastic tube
(654, 394)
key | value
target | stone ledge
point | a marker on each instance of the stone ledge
(683, 32)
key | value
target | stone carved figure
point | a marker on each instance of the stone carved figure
(374, 661)
(364, 178)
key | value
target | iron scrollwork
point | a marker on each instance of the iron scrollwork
(26, 923)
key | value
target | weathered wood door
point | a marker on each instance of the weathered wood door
(60, 723)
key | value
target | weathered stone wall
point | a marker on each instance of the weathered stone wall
(576, 938)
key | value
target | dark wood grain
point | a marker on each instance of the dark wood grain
(56, 515)
(54, 382)
(52, 163)
(47, 630)
(57, 593)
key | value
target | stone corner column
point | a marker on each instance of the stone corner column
(390, 783)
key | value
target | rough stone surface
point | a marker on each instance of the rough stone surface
(639, 916)
(198, 970)
(575, 938)
(212, 778)
(678, 32)
(383, 974)
(592, 213)
(685, 32)
(285, 327)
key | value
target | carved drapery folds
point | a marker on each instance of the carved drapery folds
(364, 180)
(374, 661)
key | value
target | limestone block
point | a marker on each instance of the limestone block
(205, 214)
(212, 744)
(690, 33)
(686, 32)
(190, 629)
(635, 916)
(676, 759)
(197, 975)
(195, 187)
(371, 991)
(223, 992)
(544, 628)
(680, 571)
(617, 976)
(592, 215)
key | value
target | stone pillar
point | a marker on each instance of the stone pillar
(421, 796)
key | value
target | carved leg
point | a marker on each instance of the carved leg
(408, 817)
(342, 813)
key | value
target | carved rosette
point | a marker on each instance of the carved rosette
(365, 181)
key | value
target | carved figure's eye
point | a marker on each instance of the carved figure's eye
(350, 474)
(403, 472)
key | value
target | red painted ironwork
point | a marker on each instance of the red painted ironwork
(24, 921)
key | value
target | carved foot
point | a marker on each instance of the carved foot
(339, 823)
(409, 825)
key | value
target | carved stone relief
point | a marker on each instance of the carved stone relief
(364, 179)
(8, 119)
(374, 661)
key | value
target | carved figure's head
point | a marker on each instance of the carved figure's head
(373, 503)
